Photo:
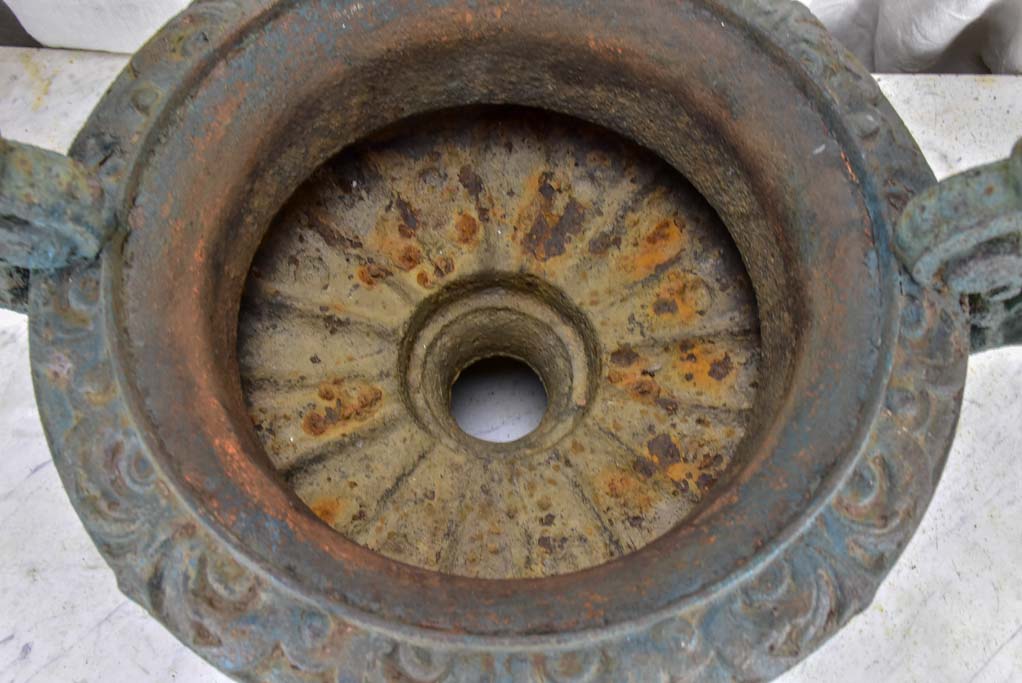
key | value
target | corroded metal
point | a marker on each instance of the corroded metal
(14, 288)
(966, 233)
(151, 391)
(52, 213)
(518, 234)
(52, 210)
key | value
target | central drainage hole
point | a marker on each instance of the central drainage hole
(498, 399)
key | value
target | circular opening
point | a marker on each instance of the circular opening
(498, 315)
(498, 399)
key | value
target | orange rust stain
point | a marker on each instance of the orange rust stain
(625, 488)
(434, 271)
(691, 472)
(687, 472)
(551, 234)
(372, 273)
(342, 408)
(631, 378)
(328, 391)
(331, 510)
(443, 266)
(424, 280)
(314, 424)
(681, 297)
(399, 249)
(678, 470)
(655, 249)
(536, 211)
(849, 169)
(467, 230)
(706, 368)
(408, 257)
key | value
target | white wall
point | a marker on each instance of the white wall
(886, 35)
(109, 25)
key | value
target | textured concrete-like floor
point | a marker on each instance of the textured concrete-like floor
(950, 612)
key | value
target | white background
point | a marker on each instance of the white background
(889, 36)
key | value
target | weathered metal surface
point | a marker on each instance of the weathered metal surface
(14, 288)
(52, 213)
(219, 121)
(966, 234)
(52, 209)
(507, 232)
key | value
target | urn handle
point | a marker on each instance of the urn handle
(965, 234)
(53, 212)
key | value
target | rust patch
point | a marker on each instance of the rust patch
(706, 368)
(665, 306)
(550, 544)
(682, 296)
(545, 189)
(602, 243)
(344, 408)
(852, 175)
(409, 257)
(443, 266)
(637, 381)
(656, 249)
(663, 448)
(669, 405)
(471, 181)
(721, 368)
(409, 220)
(546, 241)
(624, 356)
(467, 230)
(644, 466)
(372, 273)
(331, 510)
(623, 487)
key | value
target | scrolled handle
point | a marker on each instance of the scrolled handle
(965, 234)
(53, 212)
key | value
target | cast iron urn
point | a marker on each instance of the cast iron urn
(290, 225)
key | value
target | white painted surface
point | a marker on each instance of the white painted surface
(109, 25)
(939, 36)
(950, 612)
(959, 121)
(968, 36)
(46, 95)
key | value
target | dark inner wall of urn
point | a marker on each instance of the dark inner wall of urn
(514, 232)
